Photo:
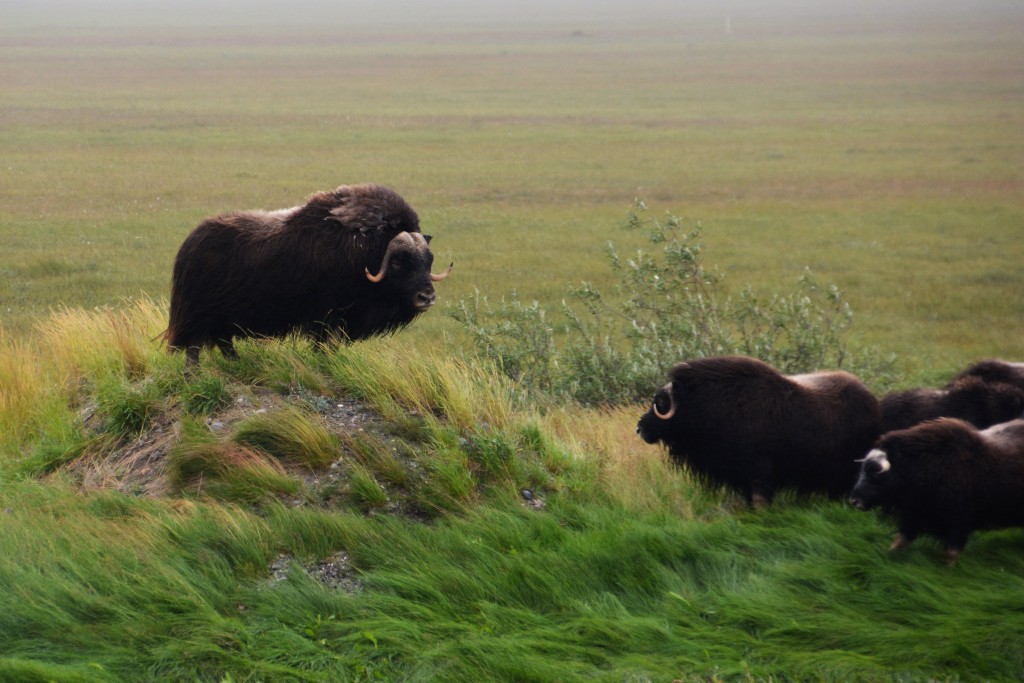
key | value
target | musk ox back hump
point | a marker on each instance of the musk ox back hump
(350, 263)
(970, 398)
(994, 370)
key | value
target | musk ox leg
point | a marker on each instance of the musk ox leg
(227, 348)
(192, 358)
(761, 492)
(956, 540)
(326, 338)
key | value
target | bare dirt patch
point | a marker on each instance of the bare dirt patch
(139, 466)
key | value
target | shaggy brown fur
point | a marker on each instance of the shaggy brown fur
(947, 479)
(260, 273)
(994, 370)
(968, 398)
(740, 423)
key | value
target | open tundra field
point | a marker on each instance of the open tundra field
(880, 149)
(398, 509)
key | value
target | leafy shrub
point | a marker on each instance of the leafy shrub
(667, 306)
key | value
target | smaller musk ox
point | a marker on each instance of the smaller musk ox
(347, 264)
(738, 422)
(967, 397)
(946, 478)
(996, 371)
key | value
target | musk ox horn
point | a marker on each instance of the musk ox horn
(881, 458)
(415, 240)
(400, 238)
(440, 276)
(672, 404)
(421, 243)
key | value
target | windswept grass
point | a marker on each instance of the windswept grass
(202, 464)
(105, 342)
(136, 589)
(396, 378)
(558, 546)
(291, 435)
(27, 400)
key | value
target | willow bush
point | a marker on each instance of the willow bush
(666, 306)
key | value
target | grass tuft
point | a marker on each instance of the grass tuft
(379, 457)
(292, 435)
(429, 384)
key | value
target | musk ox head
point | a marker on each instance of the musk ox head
(404, 272)
(654, 424)
(875, 481)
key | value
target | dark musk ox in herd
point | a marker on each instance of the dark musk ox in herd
(352, 263)
(737, 422)
(946, 478)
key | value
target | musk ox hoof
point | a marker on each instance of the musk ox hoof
(899, 543)
(759, 502)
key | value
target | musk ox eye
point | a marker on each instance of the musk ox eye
(662, 403)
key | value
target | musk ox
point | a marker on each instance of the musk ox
(945, 478)
(738, 422)
(969, 398)
(347, 264)
(995, 371)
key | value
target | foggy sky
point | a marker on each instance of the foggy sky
(15, 13)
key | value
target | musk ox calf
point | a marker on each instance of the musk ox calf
(946, 479)
(968, 398)
(347, 264)
(738, 422)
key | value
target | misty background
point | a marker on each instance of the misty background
(27, 14)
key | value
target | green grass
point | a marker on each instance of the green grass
(579, 592)
(625, 570)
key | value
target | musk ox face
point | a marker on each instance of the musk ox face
(404, 273)
(654, 424)
(875, 481)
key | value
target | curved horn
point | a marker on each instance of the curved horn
(672, 404)
(881, 458)
(441, 276)
(421, 243)
(400, 237)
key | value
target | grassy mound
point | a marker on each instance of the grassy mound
(385, 513)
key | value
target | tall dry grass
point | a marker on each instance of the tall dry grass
(103, 342)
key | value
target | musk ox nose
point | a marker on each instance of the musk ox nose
(857, 503)
(424, 300)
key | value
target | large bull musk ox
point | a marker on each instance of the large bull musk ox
(969, 398)
(738, 422)
(945, 478)
(347, 264)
